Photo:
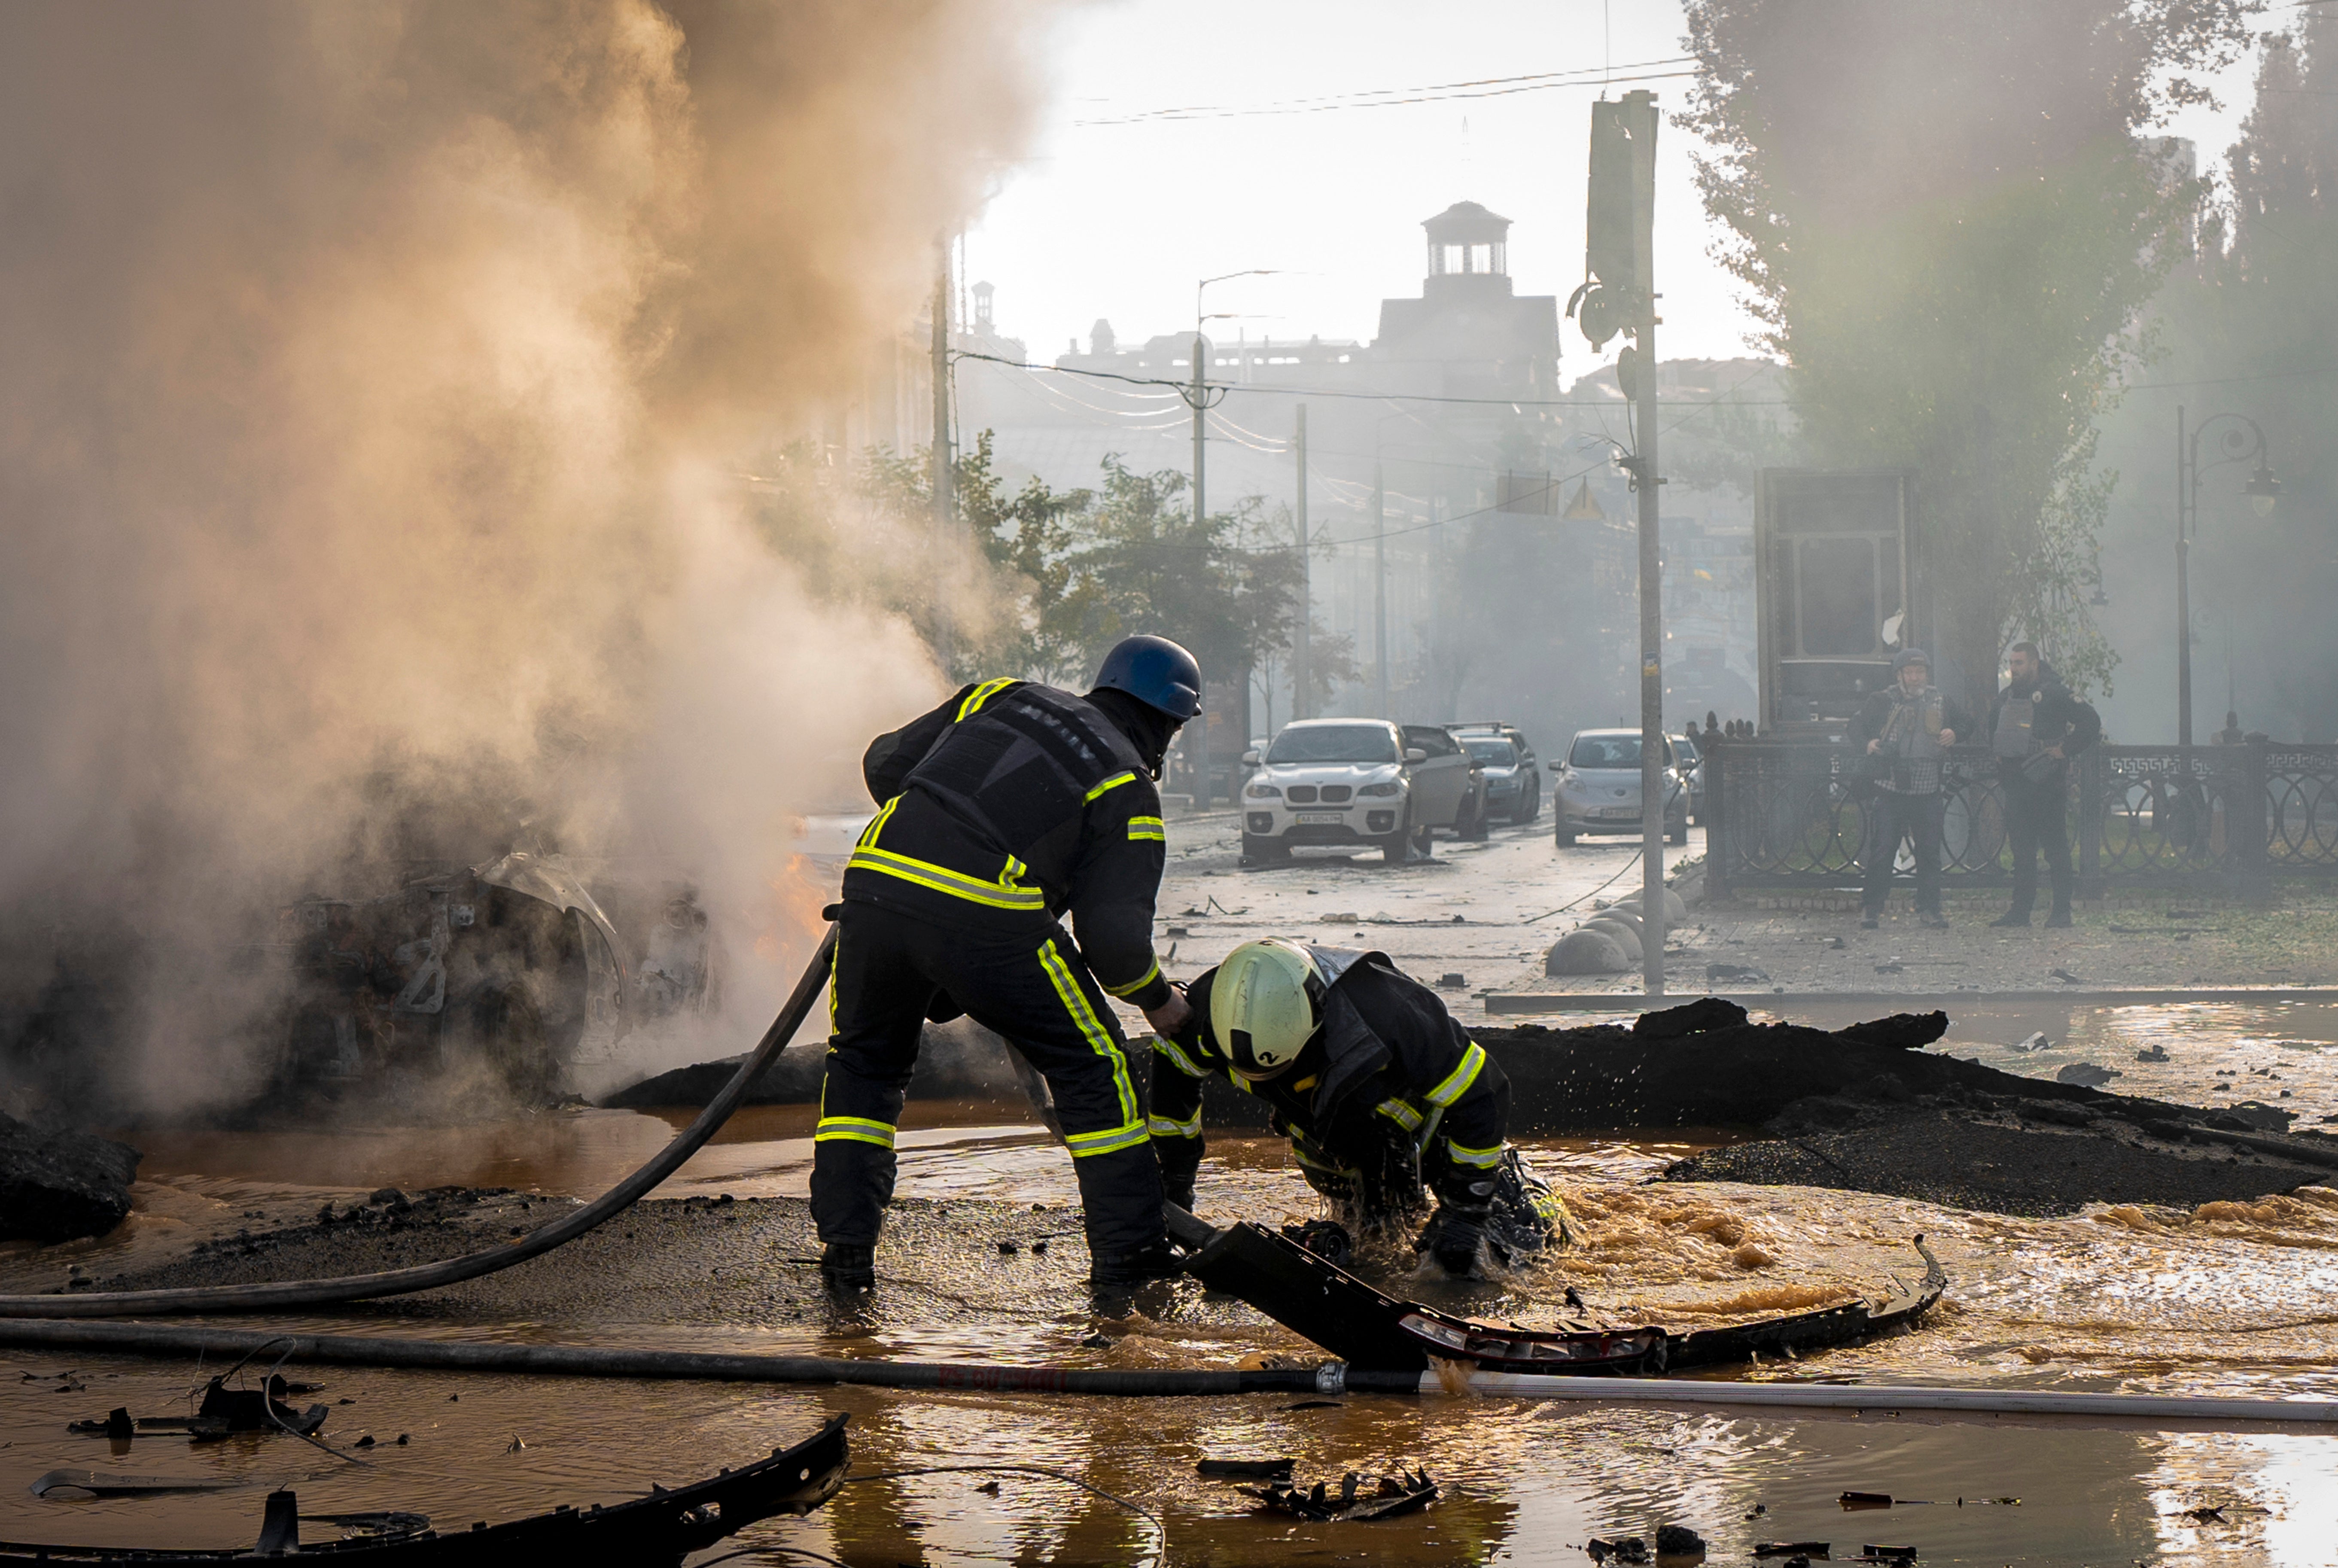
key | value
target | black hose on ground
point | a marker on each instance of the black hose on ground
(590, 1361)
(288, 1293)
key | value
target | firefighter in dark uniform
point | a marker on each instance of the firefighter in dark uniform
(1006, 808)
(1380, 1091)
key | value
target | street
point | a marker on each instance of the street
(1485, 912)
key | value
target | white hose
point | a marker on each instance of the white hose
(1879, 1398)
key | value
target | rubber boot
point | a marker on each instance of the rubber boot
(2014, 917)
(848, 1268)
(1118, 1273)
(2060, 918)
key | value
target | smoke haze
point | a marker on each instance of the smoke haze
(376, 381)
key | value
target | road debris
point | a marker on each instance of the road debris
(106, 1483)
(1678, 1541)
(1399, 1492)
(224, 1411)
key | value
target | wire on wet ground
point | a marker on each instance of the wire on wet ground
(1578, 898)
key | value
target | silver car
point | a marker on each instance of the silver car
(1598, 786)
(1358, 781)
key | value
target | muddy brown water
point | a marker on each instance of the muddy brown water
(2229, 1298)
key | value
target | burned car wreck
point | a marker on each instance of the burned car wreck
(516, 970)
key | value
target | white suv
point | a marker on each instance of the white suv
(1356, 781)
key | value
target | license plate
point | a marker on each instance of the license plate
(1619, 810)
(1319, 817)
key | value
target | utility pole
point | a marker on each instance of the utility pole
(945, 513)
(1380, 582)
(1620, 296)
(1299, 650)
(2183, 591)
(1640, 111)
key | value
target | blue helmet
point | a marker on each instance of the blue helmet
(1156, 673)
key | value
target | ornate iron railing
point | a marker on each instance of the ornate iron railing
(1789, 814)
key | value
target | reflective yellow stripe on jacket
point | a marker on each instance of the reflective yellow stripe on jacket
(981, 694)
(1006, 893)
(1133, 987)
(1457, 1082)
(1146, 827)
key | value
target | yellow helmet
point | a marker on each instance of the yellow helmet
(1265, 1004)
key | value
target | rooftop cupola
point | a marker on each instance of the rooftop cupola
(1467, 238)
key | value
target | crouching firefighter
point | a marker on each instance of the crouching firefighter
(1006, 808)
(1380, 1091)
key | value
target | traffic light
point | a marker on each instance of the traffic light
(1620, 217)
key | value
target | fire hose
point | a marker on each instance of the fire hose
(290, 1293)
(2171, 1411)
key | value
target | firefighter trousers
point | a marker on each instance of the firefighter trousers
(1028, 985)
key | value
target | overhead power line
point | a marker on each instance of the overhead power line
(1277, 389)
(1388, 97)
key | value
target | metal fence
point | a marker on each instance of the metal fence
(1790, 814)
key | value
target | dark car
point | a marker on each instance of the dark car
(1513, 782)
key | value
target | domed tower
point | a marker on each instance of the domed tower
(1468, 248)
(1468, 335)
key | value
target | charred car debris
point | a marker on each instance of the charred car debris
(664, 1527)
(517, 966)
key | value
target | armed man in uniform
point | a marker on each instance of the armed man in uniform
(1004, 809)
(1380, 1091)
(2035, 727)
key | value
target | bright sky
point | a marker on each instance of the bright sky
(1120, 221)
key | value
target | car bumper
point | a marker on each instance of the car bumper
(1355, 824)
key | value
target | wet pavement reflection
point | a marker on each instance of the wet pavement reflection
(2226, 1299)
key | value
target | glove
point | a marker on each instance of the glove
(1454, 1237)
(1465, 1198)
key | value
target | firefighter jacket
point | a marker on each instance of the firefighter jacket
(1388, 1065)
(1013, 805)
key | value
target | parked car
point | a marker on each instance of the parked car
(1363, 781)
(1513, 782)
(1691, 760)
(1598, 786)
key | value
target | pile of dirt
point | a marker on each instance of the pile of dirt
(2018, 1146)
(61, 1185)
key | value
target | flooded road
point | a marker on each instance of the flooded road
(2229, 1298)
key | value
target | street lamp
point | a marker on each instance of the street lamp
(1199, 397)
(2263, 492)
(2263, 489)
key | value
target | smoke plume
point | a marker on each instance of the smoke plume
(376, 384)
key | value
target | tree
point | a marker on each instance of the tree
(1065, 573)
(2251, 323)
(1219, 586)
(1949, 219)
